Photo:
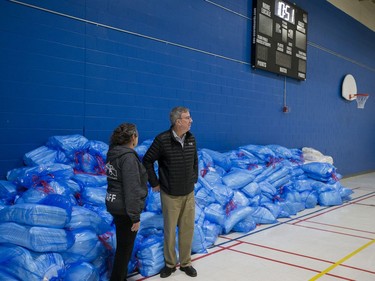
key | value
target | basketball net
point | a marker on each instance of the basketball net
(361, 100)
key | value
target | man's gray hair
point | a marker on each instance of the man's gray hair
(176, 113)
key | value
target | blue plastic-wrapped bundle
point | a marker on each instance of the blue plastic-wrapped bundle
(262, 152)
(211, 232)
(87, 163)
(243, 162)
(246, 225)
(220, 192)
(263, 216)
(287, 209)
(236, 216)
(255, 201)
(46, 196)
(101, 211)
(61, 201)
(251, 190)
(8, 192)
(219, 159)
(59, 187)
(296, 171)
(151, 220)
(309, 198)
(243, 159)
(98, 149)
(266, 198)
(86, 247)
(303, 185)
(294, 197)
(206, 159)
(330, 198)
(44, 155)
(84, 218)
(267, 172)
(212, 177)
(21, 264)
(282, 182)
(204, 197)
(319, 171)
(94, 195)
(90, 180)
(198, 245)
(153, 203)
(36, 238)
(83, 271)
(239, 199)
(297, 155)
(103, 266)
(33, 176)
(281, 152)
(267, 189)
(237, 178)
(345, 193)
(72, 185)
(150, 256)
(275, 209)
(215, 213)
(70, 144)
(32, 195)
(199, 215)
(35, 214)
(280, 173)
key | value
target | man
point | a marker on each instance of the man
(176, 153)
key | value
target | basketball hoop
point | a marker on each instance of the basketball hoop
(361, 100)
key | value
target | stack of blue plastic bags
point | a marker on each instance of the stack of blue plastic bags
(54, 224)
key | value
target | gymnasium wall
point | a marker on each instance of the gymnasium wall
(83, 67)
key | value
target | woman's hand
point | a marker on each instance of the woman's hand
(135, 226)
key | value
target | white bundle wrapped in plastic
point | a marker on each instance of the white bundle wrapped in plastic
(313, 155)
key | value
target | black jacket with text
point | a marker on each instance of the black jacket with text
(127, 183)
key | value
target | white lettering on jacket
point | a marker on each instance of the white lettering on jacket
(110, 197)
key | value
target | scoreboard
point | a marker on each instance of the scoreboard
(279, 40)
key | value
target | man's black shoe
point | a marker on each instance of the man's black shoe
(167, 271)
(189, 270)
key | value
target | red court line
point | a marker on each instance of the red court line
(342, 227)
(325, 230)
(300, 255)
(289, 264)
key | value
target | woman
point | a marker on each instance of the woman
(126, 193)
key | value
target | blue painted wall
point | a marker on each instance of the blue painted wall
(84, 67)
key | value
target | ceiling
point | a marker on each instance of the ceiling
(361, 10)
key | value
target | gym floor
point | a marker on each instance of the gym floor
(324, 243)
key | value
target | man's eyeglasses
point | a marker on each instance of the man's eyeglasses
(186, 118)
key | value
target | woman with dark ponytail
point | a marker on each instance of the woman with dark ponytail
(126, 193)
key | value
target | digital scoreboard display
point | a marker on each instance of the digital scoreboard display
(279, 40)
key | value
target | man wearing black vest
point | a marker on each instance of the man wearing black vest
(176, 153)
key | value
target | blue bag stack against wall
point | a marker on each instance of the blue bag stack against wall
(53, 214)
